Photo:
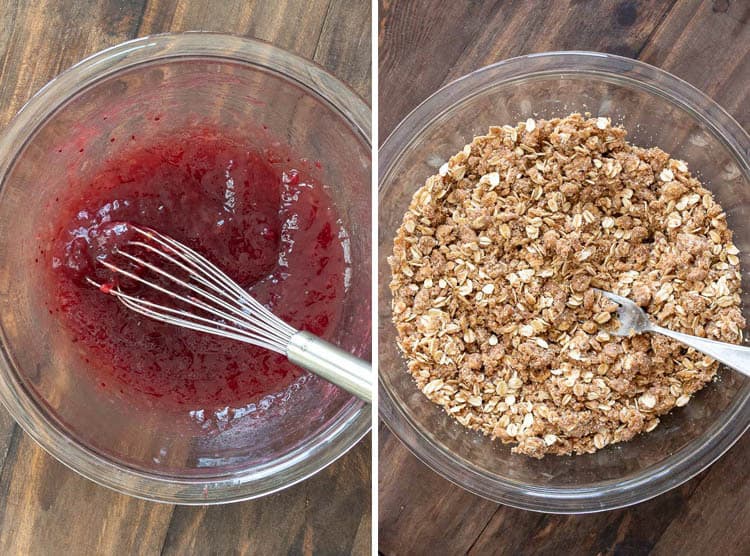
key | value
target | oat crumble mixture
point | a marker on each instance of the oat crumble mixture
(493, 269)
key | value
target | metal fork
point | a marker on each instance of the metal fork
(634, 320)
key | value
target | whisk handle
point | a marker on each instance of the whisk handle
(331, 363)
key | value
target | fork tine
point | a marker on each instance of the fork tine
(633, 319)
(622, 301)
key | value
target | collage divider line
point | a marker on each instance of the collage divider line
(374, 273)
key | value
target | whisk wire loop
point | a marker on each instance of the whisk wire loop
(213, 277)
(240, 317)
(223, 307)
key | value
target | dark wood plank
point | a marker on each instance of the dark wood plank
(321, 515)
(714, 518)
(415, 518)
(46, 508)
(348, 21)
(331, 33)
(441, 41)
(706, 43)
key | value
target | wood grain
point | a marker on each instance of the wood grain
(705, 43)
(46, 508)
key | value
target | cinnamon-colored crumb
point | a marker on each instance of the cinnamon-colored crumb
(493, 269)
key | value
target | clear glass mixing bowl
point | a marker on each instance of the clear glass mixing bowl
(658, 110)
(149, 87)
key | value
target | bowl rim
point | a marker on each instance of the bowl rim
(351, 423)
(606, 495)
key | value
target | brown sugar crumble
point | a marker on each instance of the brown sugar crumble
(494, 267)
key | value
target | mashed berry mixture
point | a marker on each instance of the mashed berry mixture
(245, 208)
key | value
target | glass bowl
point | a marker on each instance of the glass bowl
(149, 87)
(658, 110)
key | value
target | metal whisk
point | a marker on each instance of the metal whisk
(219, 306)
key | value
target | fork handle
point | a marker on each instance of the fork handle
(331, 363)
(734, 356)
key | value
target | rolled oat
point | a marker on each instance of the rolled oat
(493, 269)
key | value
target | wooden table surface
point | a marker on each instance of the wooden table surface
(46, 508)
(433, 42)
